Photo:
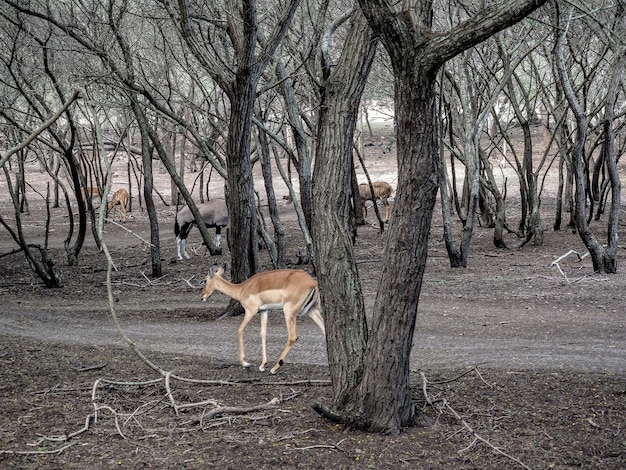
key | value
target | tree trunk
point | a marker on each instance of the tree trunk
(384, 396)
(240, 191)
(533, 227)
(155, 251)
(603, 260)
(278, 244)
(609, 260)
(304, 162)
(385, 391)
(73, 251)
(333, 224)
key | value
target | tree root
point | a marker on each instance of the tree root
(327, 413)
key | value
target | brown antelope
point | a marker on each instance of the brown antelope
(89, 192)
(382, 191)
(292, 290)
(214, 214)
(122, 198)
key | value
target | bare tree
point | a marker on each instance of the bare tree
(236, 25)
(604, 259)
(39, 86)
(371, 386)
(43, 266)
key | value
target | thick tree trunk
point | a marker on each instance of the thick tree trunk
(416, 54)
(332, 222)
(240, 191)
(385, 390)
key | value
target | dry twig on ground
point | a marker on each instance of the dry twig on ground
(442, 404)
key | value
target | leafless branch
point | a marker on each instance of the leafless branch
(131, 232)
(4, 158)
(476, 437)
(562, 257)
(38, 452)
(188, 281)
(323, 446)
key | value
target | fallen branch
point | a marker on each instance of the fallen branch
(149, 281)
(323, 446)
(188, 281)
(90, 368)
(233, 410)
(38, 452)
(562, 257)
(477, 437)
(131, 232)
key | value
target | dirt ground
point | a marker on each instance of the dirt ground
(525, 363)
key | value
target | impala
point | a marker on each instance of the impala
(214, 214)
(89, 192)
(292, 290)
(382, 191)
(121, 198)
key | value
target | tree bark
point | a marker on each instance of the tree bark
(155, 251)
(332, 222)
(384, 400)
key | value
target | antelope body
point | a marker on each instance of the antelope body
(291, 290)
(89, 192)
(382, 191)
(214, 214)
(121, 198)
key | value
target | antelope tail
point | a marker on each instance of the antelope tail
(309, 302)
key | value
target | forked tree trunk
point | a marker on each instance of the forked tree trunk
(382, 402)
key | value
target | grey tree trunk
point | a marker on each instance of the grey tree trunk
(155, 251)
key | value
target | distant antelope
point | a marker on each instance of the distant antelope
(292, 290)
(89, 191)
(121, 198)
(382, 191)
(214, 214)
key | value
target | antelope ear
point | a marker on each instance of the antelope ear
(224, 266)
